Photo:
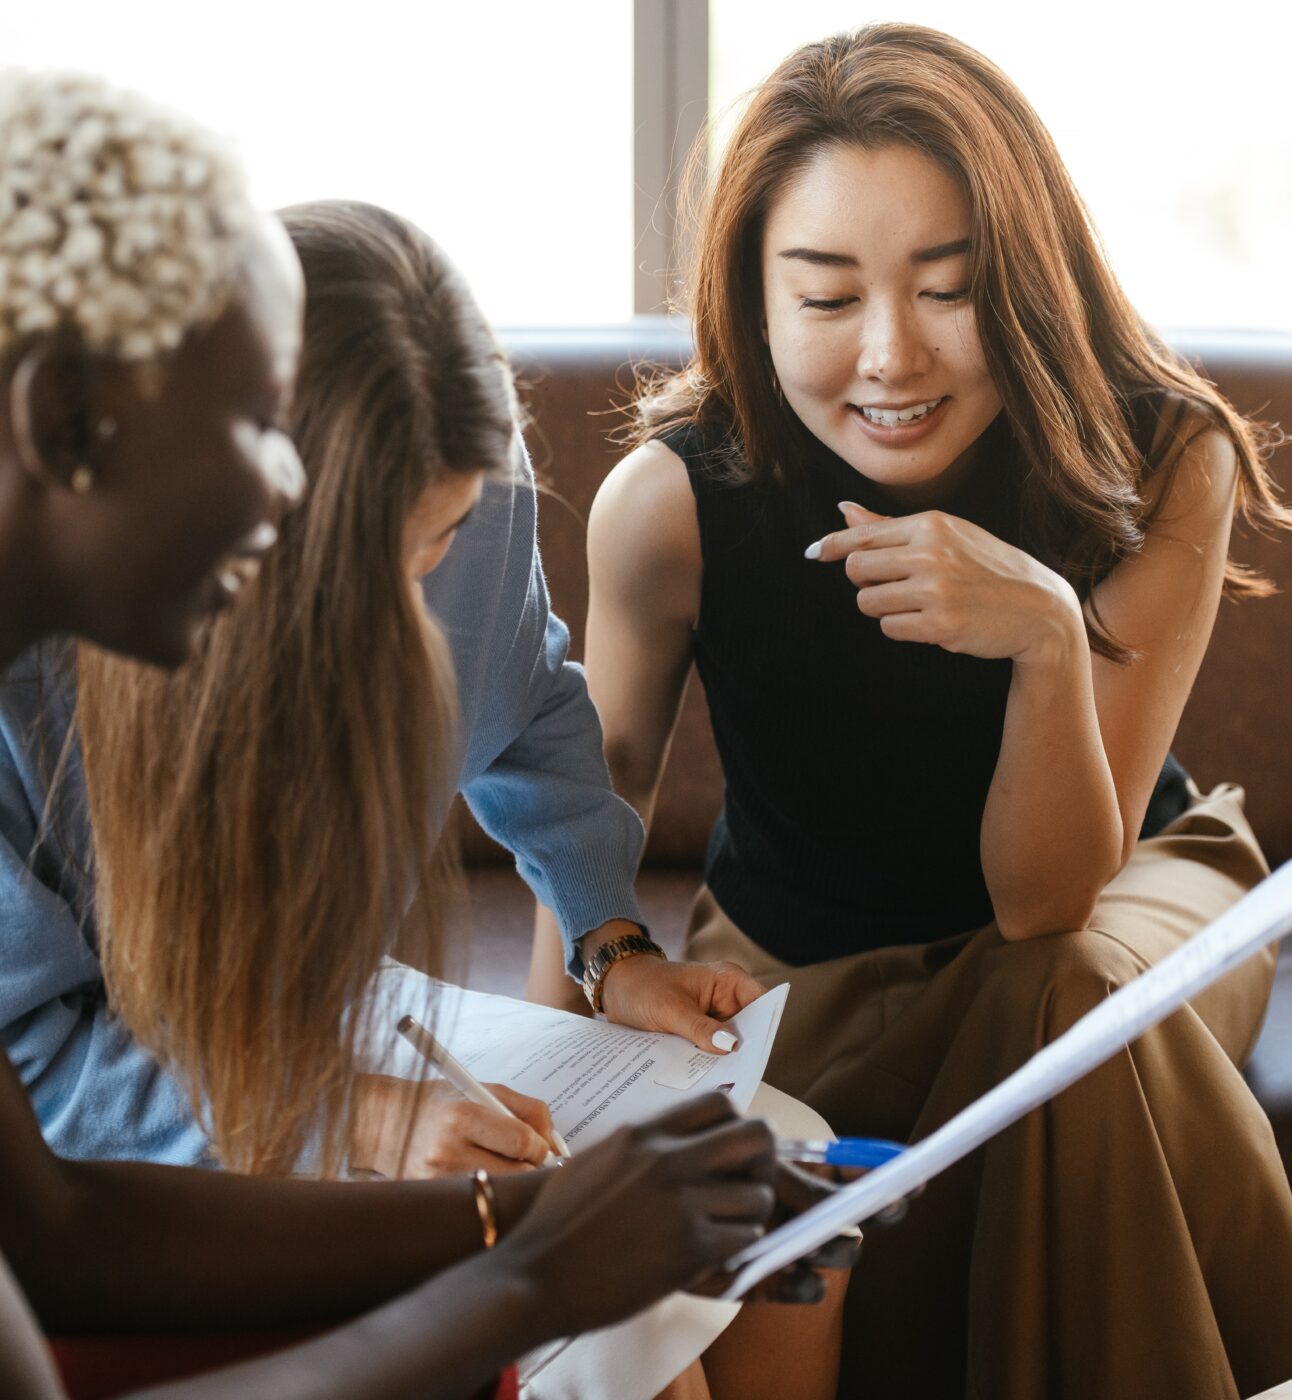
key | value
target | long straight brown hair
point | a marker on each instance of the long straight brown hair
(266, 821)
(1068, 354)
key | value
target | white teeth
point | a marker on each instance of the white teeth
(891, 417)
(230, 580)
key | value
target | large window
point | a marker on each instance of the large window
(1175, 124)
(508, 129)
(504, 128)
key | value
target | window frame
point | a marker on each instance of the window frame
(670, 109)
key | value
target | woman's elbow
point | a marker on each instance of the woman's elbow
(1053, 907)
(43, 1232)
(1040, 919)
(1061, 897)
(634, 777)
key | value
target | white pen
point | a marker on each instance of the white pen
(463, 1080)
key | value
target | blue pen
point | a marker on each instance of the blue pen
(841, 1152)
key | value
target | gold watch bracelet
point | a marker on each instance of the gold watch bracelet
(629, 945)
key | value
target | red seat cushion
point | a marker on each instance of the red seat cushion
(99, 1368)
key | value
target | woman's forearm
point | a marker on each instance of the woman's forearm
(126, 1245)
(1052, 828)
(443, 1341)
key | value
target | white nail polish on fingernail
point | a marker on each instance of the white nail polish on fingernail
(724, 1040)
(843, 505)
(813, 551)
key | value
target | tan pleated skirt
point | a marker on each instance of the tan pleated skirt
(1130, 1240)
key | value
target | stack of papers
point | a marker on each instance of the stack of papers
(594, 1076)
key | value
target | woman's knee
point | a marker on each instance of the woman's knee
(1059, 977)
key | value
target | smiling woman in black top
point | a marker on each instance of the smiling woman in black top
(944, 528)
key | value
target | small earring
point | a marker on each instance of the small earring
(771, 374)
(105, 429)
(82, 480)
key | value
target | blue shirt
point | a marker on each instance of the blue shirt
(531, 771)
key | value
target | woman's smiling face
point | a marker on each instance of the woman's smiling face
(195, 474)
(870, 325)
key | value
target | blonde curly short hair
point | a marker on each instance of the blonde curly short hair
(119, 221)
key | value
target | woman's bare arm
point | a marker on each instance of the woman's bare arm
(104, 1245)
(1085, 738)
(644, 572)
(443, 1341)
(26, 1372)
(124, 1246)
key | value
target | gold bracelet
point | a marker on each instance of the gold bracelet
(486, 1206)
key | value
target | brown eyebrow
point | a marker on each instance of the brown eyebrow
(941, 250)
(818, 257)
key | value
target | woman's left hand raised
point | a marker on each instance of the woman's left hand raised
(933, 577)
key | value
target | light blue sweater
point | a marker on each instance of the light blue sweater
(532, 772)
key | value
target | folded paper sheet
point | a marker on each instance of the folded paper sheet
(594, 1076)
(1261, 917)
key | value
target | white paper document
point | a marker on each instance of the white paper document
(593, 1076)
(1261, 917)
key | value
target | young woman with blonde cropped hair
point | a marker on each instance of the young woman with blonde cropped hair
(944, 527)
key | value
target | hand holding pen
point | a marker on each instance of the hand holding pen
(497, 1099)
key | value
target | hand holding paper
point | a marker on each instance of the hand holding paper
(693, 1000)
(593, 1075)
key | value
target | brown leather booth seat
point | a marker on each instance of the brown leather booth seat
(1236, 725)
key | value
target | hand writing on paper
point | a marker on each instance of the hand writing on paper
(450, 1135)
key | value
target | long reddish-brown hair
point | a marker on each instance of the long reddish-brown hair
(266, 821)
(1068, 354)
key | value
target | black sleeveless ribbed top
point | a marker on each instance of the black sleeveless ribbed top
(856, 768)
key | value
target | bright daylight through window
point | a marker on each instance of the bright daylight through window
(503, 128)
(1176, 128)
(506, 129)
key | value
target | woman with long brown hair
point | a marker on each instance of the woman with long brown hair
(304, 803)
(149, 335)
(944, 527)
(290, 782)
(296, 774)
